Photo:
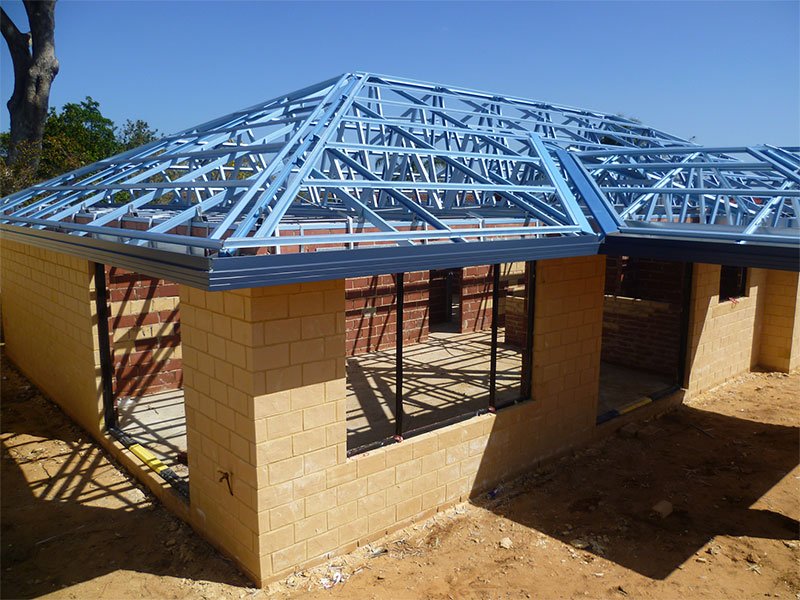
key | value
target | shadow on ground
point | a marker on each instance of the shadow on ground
(69, 515)
(711, 467)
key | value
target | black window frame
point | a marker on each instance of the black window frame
(732, 283)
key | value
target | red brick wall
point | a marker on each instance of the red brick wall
(437, 295)
(476, 298)
(642, 314)
(371, 312)
(144, 328)
(516, 316)
(644, 278)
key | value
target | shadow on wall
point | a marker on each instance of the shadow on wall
(724, 337)
(70, 517)
(713, 468)
(144, 329)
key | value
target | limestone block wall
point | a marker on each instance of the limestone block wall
(779, 348)
(724, 337)
(50, 329)
(265, 400)
(567, 328)
(264, 394)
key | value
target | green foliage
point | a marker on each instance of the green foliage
(134, 134)
(21, 174)
(75, 136)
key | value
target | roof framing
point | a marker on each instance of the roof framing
(371, 171)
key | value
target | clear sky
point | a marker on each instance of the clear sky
(726, 73)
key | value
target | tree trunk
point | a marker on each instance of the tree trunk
(35, 67)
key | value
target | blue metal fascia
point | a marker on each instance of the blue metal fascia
(255, 271)
(163, 264)
(764, 256)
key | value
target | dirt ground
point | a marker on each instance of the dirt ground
(75, 526)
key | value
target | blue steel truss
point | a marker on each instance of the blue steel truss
(367, 172)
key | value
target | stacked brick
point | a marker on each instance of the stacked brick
(371, 311)
(642, 314)
(515, 319)
(264, 374)
(476, 298)
(264, 393)
(144, 326)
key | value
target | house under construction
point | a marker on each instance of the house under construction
(323, 317)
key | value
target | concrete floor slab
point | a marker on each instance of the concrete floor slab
(445, 377)
(157, 422)
(621, 386)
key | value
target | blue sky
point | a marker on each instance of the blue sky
(727, 73)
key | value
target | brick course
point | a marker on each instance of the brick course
(144, 327)
(642, 314)
(476, 298)
(371, 318)
(516, 316)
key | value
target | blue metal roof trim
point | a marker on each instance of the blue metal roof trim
(377, 172)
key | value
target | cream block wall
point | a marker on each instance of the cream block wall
(724, 337)
(780, 328)
(50, 327)
(265, 399)
(568, 332)
(264, 393)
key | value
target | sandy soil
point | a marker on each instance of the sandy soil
(75, 526)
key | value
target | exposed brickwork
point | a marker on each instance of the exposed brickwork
(645, 279)
(642, 314)
(642, 334)
(279, 424)
(265, 399)
(49, 326)
(512, 283)
(476, 298)
(264, 393)
(144, 326)
(516, 317)
(371, 311)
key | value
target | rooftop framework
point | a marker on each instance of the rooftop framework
(363, 174)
